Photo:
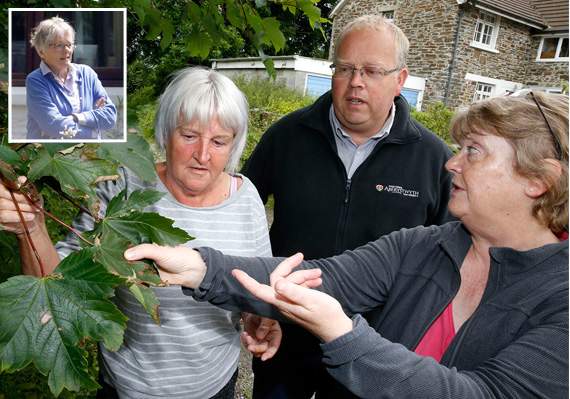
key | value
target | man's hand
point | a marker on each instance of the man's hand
(261, 336)
(290, 292)
(178, 265)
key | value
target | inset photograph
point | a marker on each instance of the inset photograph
(67, 75)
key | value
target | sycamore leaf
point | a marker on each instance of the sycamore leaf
(9, 155)
(75, 176)
(199, 44)
(147, 299)
(311, 11)
(47, 321)
(109, 252)
(234, 14)
(137, 201)
(135, 154)
(271, 33)
(138, 227)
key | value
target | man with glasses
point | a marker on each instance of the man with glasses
(349, 168)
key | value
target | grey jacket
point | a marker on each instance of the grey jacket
(515, 345)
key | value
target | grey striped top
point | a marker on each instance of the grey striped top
(195, 350)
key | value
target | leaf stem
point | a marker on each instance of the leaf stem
(27, 234)
(51, 185)
(56, 219)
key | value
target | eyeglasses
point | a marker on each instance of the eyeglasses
(371, 72)
(61, 46)
(557, 145)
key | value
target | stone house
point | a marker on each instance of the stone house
(468, 50)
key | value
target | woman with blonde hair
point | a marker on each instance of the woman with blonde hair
(476, 308)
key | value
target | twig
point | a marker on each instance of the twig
(67, 197)
(27, 233)
(56, 219)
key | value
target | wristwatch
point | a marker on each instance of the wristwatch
(75, 118)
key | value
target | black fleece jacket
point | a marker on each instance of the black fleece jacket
(403, 183)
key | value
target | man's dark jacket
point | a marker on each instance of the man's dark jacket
(320, 212)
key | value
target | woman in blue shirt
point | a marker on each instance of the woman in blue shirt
(64, 100)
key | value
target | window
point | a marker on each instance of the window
(389, 15)
(482, 91)
(486, 30)
(553, 49)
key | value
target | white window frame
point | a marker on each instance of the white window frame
(557, 57)
(481, 21)
(481, 92)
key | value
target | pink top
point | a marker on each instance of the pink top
(438, 337)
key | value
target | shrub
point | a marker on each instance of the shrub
(436, 118)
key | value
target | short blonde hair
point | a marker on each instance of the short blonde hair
(47, 30)
(379, 24)
(519, 120)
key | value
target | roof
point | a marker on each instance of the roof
(521, 10)
(546, 15)
(555, 12)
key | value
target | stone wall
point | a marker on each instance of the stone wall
(510, 63)
(431, 26)
(545, 74)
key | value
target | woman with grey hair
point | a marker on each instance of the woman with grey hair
(201, 125)
(64, 100)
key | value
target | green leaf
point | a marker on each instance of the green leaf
(199, 44)
(47, 321)
(147, 298)
(146, 227)
(252, 18)
(77, 177)
(137, 201)
(167, 31)
(109, 253)
(8, 155)
(235, 15)
(271, 33)
(194, 12)
(135, 154)
(270, 67)
(312, 12)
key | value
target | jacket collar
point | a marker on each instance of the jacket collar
(456, 242)
(403, 130)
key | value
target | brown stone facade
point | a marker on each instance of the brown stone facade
(431, 27)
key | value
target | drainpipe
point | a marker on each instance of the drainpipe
(454, 51)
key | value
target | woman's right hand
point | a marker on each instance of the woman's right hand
(9, 217)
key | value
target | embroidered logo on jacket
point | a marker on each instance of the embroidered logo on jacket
(397, 190)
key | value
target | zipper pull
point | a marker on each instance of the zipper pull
(347, 191)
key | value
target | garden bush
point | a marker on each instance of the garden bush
(436, 118)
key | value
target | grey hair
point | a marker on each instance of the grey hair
(379, 24)
(200, 94)
(47, 30)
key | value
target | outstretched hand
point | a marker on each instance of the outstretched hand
(291, 293)
(261, 336)
(177, 265)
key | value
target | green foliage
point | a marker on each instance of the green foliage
(268, 101)
(50, 321)
(437, 118)
(44, 321)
